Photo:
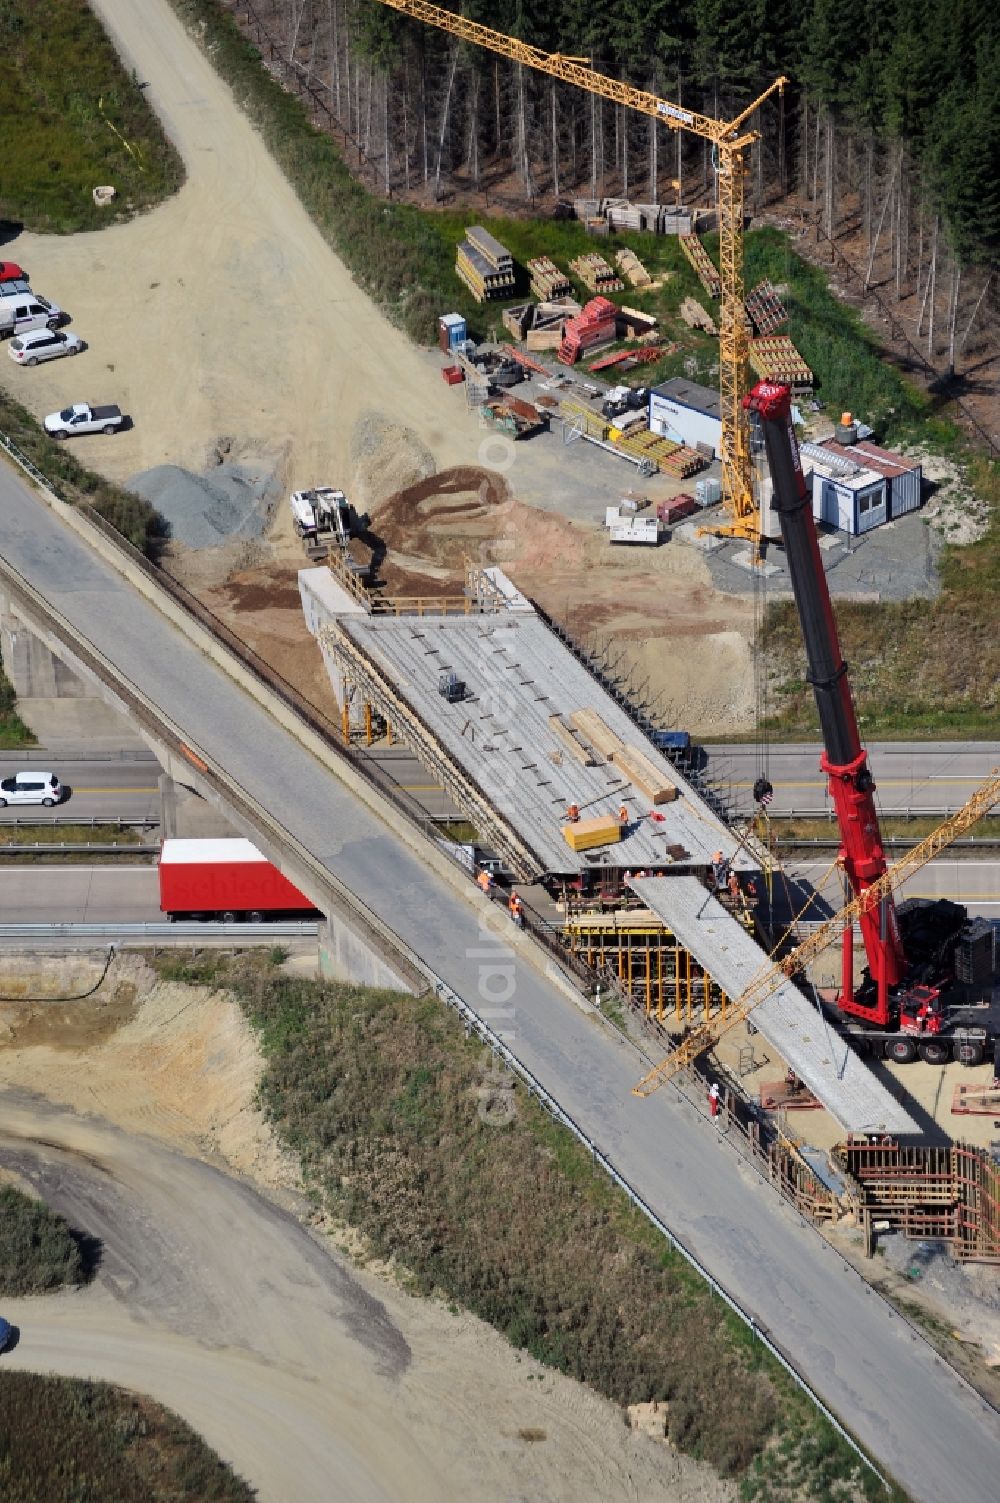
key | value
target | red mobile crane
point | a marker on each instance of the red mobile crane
(899, 1006)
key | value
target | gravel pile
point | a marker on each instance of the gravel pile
(206, 510)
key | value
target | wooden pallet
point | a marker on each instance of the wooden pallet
(595, 273)
(704, 267)
(976, 1100)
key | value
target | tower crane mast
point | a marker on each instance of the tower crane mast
(730, 140)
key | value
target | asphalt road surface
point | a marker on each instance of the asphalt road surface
(975, 883)
(859, 1356)
(878, 1375)
(79, 895)
(119, 790)
(908, 774)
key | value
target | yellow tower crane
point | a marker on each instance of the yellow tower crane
(730, 143)
(771, 977)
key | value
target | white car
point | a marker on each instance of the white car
(43, 344)
(31, 788)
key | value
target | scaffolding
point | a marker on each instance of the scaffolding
(949, 1194)
(647, 964)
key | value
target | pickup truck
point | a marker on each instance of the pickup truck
(82, 418)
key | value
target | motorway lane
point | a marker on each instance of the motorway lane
(79, 895)
(908, 774)
(975, 883)
(864, 1361)
(126, 790)
(857, 1354)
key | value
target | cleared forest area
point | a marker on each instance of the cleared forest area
(885, 144)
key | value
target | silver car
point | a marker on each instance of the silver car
(43, 344)
(31, 788)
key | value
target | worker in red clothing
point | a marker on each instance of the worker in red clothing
(516, 908)
(714, 1102)
(623, 814)
(572, 813)
(734, 885)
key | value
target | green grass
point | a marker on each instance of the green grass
(73, 119)
(65, 1440)
(13, 731)
(404, 1130)
(38, 1251)
(919, 667)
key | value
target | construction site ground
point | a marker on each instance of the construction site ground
(134, 1114)
(324, 390)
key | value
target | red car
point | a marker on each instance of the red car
(11, 272)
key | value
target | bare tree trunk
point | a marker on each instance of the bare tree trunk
(885, 204)
(496, 105)
(932, 290)
(406, 136)
(975, 312)
(423, 110)
(866, 193)
(898, 247)
(472, 156)
(815, 183)
(956, 283)
(782, 147)
(653, 163)
(804, 165)
(444, 124)
(618, 139)
(593, 145)
(296, 23)
(829, 174)
(335, 50)
(368, 116)
(555, 141)
(385, 131)
(524, 164)
(624, 153)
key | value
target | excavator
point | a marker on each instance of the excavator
(905, 1004)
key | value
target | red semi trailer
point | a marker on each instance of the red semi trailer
(227, 880)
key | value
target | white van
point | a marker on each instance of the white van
(28, 311)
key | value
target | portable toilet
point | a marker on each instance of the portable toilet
(451, 331)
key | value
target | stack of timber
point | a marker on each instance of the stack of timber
(600, 215)
(696, 317)
(594, 326)
(775, 358)
(595, 273)
(547, 281)
(546, 331)
(577, 414)
(632, 269)
(765, 308)
(704, 267)
(676, 460)
(629, 760)
(484, 265)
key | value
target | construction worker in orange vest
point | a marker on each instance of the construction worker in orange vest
(572, 813)
(516, 909)
(485, 880)
(623, 814)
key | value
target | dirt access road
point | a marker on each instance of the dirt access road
(226, 327)
(134, 1115)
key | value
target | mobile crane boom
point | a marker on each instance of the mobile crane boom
(767, 981)
(844, 759)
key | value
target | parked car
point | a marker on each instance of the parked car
(26, 310)
(43, 344)
(31, 788)
(11, 272)
(82, 418)
(6, 1332)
